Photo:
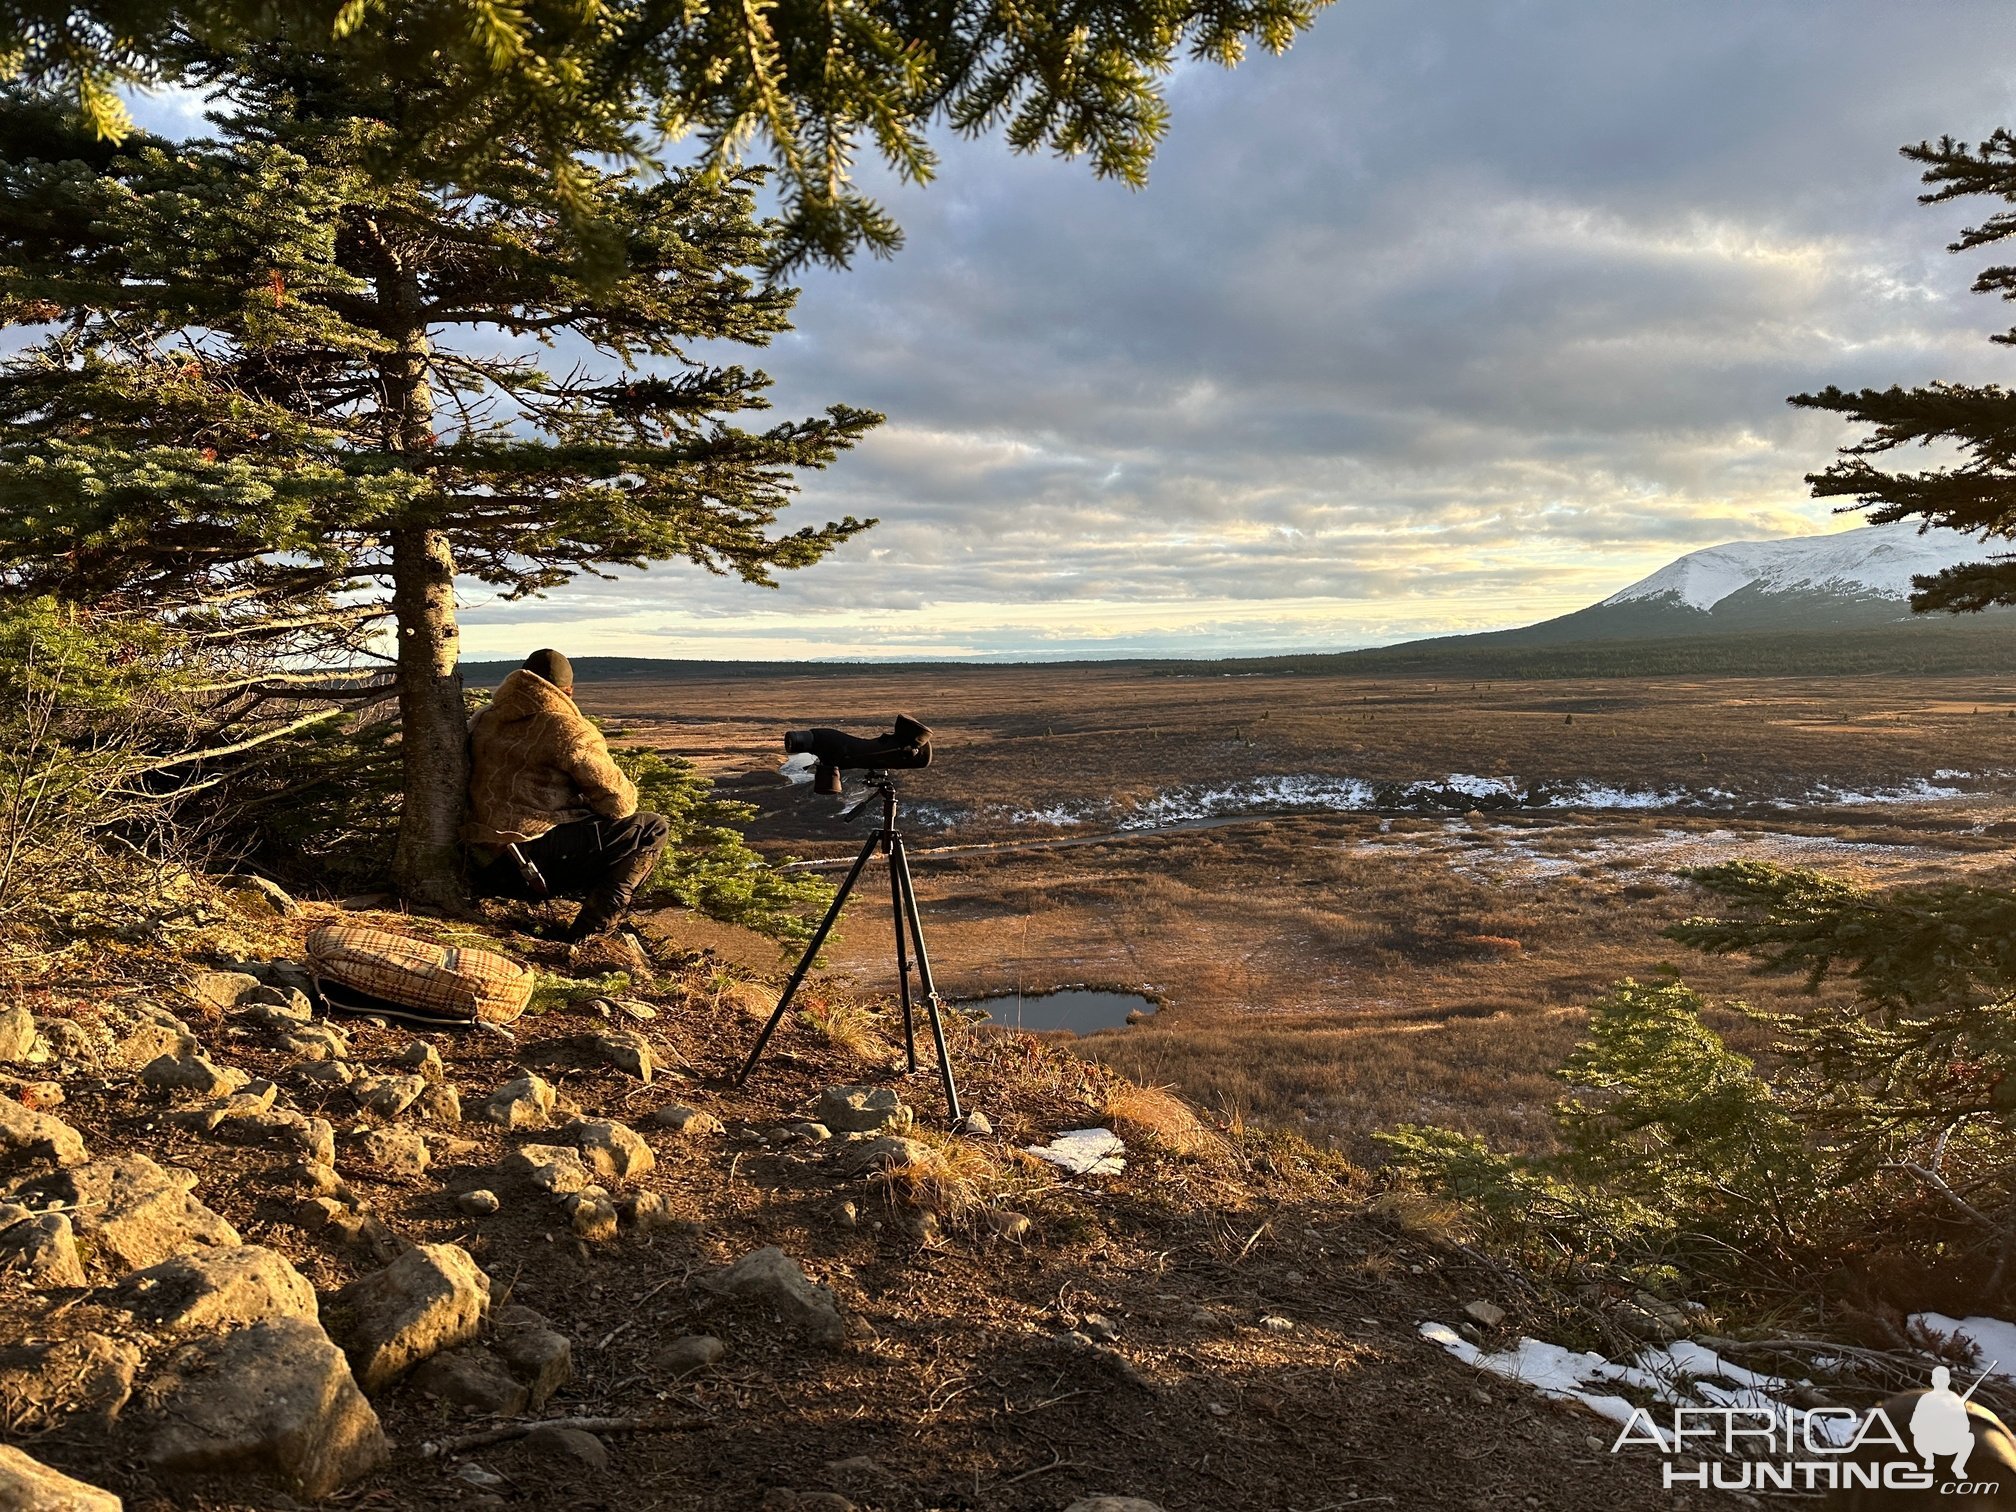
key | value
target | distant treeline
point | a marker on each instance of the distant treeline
(1917, 649)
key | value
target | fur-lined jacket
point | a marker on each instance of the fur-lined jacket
(535, 761)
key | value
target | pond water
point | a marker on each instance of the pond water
(1079, 1009)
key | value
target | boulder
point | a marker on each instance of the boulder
(41, 1247)
(681, 1119)
(21, 1042)
(257, 897)
(440, 1102)
(431, 1298)
(557, 1441)
(473, 1377)
(592, 1215)
(387, 1096)
(192, 1073)
(537, 1354)
(651, 1211)
(130, 1213)
(421, 1058)
(526, 1103)
(69, 1041)
(626, 1050)
(863, 1110)
(551, 1168)
(274, 1402)
(279, 1005)
(397, 1152)
(612, 1149)
(324, 1073)
(51, 1384)
(284, 1129)
(147, 1032)
(257, 1098)
(27, 1137)
(311, 1042)
(478, 1204)
(210, 1290)
(770, 1277)
(222, 989)
(28, 1485)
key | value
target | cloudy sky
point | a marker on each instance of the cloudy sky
(1456, 317)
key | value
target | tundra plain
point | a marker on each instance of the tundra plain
(1358, 901)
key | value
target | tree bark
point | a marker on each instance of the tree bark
(433, 734)
(433, 738)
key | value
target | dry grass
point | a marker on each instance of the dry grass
(1153, 1115)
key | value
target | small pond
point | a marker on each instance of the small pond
(1079, 1009)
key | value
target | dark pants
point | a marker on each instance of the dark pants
(585, 857)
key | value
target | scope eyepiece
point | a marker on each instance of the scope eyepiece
(906, 747)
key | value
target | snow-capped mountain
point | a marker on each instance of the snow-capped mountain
(1855, 578)
(1874, 562)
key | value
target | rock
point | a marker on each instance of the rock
(215, 1289)
(41, 1247)
(440, 1102)
(320, 1178)
(69, 1041)
(556, 1442)
(387, 1096)
(1098, 1326)
(193, 1073)
(1653, 1318)
(537, 1355)
(612, 1149)
(478, 1204)
(681, 1119)
(551, 1168)
(313, 1042)
(27, 1137)
(651, 1211)
(473, 1377)
(1275, 1324)
(592, 1215)
(805, 1132)
(626, 1050)
(257, 896)
(273, 1402)
(256, 1099)
(979, 1125)
(88, 1377)
(21, 1042)
(397, 1152)
(28, 1485)
(863, 1110)
(324, 1073)
(1489, 1314)
(422, 1058)
(222, 989)
(345, 1223)
(483, 1479)
(847, 1214)
(279, 1006)
(526, 1103)
(887, 1151)
(1112, 1504)
(129, 1213)
(688, 1353)
(284, 1129)
(1012, 1226)
(147, 1032)
(772, 1278)
(431, 1298)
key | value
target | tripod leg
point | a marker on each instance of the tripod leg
(805, 961)
(899, 862)
(902, 964)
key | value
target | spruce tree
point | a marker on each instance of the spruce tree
(805, 83)
(279, 386)
(1978, 493)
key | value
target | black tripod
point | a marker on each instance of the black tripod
(903, 904)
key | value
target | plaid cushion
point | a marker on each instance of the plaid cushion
(451, 981)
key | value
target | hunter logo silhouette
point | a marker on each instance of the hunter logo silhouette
(1939, 1425)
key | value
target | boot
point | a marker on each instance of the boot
(603, 909)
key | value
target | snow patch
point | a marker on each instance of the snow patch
(1993, 1340)
(1084, 1152)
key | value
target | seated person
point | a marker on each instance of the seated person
(540, 776)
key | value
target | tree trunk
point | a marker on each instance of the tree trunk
(433, 738)
(433, 735)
